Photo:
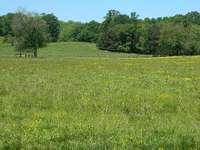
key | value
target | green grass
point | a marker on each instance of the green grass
(1, 40)
(66, 49)
(99, 103)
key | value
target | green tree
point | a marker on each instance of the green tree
(118, 32)
(1, 26)
(172, 40)
(127, 37)
(111, 15)
(6, 27)
(134, 16)
(67, 29)
(193, 17)
(53, 26)
(192, 42)
(7, 24)
(87, 32)
(151, 38)
(30, 32)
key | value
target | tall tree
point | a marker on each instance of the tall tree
(87, 32)
(193, 17)
(118, 32)
(134, 16)
(7, 24)
(151, 38)
(30, 32)
(67, 29)
(172, 40)
(1, 26)
(53, 26)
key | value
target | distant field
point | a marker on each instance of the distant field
(1, 40)
(66, 49)
(87, 102)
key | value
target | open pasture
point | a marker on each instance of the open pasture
(100, 103)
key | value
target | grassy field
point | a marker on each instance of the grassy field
(66, 49)
(87, 102)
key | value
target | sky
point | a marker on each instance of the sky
(87, 10)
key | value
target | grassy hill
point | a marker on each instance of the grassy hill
(66, 49)
(92, 103)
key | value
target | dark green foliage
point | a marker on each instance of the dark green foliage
(6, 23)
(107, 40)
(178, 35)
(87, 32)
(179, 40)
(119, 32)
(151, 38)
(6, 27)
(172, 40)
(67, 29)
(193, 17)
(90, 31)
(8, 33)
(53, 26)
(1, 26)
(30, 32)
(163, 36)
(82, 32)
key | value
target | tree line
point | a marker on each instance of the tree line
(167, 36)
(178, 35)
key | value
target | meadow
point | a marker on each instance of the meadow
(76, 97)
(66, 50)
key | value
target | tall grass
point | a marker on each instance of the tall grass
(98, 103)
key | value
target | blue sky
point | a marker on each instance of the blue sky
(86, 10)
